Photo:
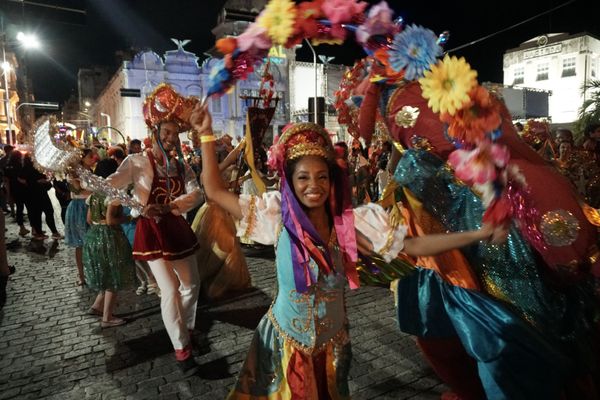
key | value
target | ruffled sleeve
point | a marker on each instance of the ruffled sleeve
(261, 217)
(374, 223)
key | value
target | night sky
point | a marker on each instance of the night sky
(73, 40)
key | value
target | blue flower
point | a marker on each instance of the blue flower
(217, 77)
(413, 50)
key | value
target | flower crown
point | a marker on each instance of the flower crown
(299, 140)
(164, 104)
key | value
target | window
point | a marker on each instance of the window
(216, 105)
(542, 72)
(519, 75)
(593, 68)
(568, 67)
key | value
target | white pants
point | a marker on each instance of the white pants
(179, 287)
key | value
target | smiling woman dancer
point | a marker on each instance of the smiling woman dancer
(301, 347)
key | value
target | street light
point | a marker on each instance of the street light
(39, 104)
(316, 75)
(25, 40)
(29, 41)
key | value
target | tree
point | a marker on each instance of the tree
(590, 109)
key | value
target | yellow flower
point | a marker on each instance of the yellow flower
(447, 85)
(278, 19)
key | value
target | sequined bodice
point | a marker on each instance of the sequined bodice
(313, 318)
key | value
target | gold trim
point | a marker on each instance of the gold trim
(166, 253)
(388, 243)
(340, 338)
(251, 219)
(392, 98)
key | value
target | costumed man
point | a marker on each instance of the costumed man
(167, 187)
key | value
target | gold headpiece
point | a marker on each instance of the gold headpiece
(165, 104)
(306, 139)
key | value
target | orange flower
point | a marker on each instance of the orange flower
(479, 116)
(305, 25)
(382, 56)
(226, 45)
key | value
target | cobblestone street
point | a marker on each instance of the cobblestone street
(50, 348)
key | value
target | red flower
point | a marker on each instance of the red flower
(499, 212)
(479, 116)
(306, 25)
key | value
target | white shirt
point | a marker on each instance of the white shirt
(370, 219)
(137, 170)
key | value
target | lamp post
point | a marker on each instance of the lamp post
(107, 123)
(25, 40)
(5, 70)
(316, 76)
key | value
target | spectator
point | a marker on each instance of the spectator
(37, 200)
(17, 187)
(4, 193)
(135, 146)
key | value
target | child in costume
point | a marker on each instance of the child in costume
(301, 347)
(107, 260)
(75, 218)
(167, 188)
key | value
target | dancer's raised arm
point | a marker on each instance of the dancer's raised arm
(214, 186)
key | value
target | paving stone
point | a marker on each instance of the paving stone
(51, 349)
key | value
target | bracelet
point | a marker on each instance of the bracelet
(207, 138)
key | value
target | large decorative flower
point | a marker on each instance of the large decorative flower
(226, 45)
(387, 72)
(379, 22)
(479, 116)
(479, 166)
(306, 25)
(278, 19)
(342, 11)
(217, 78)
(447, 85)
(254, 38)
(414, 50)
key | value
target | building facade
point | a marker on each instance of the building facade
(8, 90)
(559, 63)
(294, 83)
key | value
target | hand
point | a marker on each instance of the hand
(494, 234)
(364, 245)
(153, 210)
(500, 234)
(201, 119)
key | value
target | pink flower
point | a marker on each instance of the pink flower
(276, 157)
(254, 38)
(479, 165)
(342, 11)
(379, 22)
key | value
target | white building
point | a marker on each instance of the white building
(294, 84)
(557, 62)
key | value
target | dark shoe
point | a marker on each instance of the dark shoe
(3, 282)
(188, 367)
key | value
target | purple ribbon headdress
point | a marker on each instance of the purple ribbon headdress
(310, 139)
